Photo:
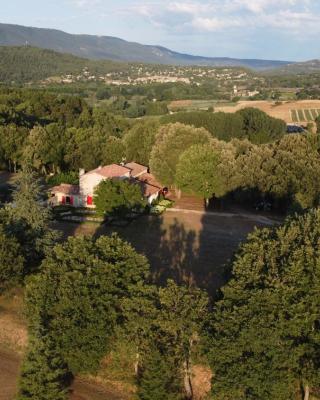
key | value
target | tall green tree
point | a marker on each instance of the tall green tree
(198, 173)
(77, 296)
(114, 151)
(182, 314)
(155, 382)
(171, 141)
(12, 139)
(44, 374)
(118, 197)
(265, 333)
(27, 219)
(139, 141)
(11, 261)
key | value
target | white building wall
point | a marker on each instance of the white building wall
(153, 197)
(88, 183)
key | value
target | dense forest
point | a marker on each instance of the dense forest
(259, 334)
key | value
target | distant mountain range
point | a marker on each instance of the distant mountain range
(112, 48)
(306, 67)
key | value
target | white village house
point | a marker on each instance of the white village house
(82, 195)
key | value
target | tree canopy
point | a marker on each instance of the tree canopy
(118, 197)
(197, 172)
(265, 331)
(171, 141)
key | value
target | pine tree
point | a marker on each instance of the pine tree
(28, 220)
(44, 375)
(157, 380)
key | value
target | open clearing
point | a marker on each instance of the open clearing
(190, 247)
(290, 112)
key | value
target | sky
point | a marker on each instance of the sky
(265, 29)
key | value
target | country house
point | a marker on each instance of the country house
(82, 195)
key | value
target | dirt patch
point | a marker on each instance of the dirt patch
(13, 333)
(190, 247)
(82, 389)
(201, 381)
(180, 103)
(9, 372)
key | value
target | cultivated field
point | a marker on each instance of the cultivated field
(304, 115)
(302, 111)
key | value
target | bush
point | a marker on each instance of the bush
(165, 203)
(70, 177)
(157, 210)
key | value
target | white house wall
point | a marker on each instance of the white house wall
(88, 183)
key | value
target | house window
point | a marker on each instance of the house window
(68, 200)
(89, 201)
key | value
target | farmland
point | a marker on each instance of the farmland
(193, 105)
(302, 111)
(304, 115)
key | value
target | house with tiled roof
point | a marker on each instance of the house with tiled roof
(82, 195)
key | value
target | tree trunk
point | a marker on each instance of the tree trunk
(187, 380)
(136, 365)
(306, 389)
(178, 193)
(15, 167)
(206, 202)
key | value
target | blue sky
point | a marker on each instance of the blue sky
(268, 29)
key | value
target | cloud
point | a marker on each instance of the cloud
(85, 3)
(218, 15)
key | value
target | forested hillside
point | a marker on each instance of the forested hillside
(24, 64)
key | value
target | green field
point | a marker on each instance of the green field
(195, 105)
(306, 115)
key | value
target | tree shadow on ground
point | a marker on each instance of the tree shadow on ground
(191, 248)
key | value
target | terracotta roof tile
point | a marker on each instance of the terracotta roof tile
(110, 171)
(150, 179)
(136, 169)
(66, 189)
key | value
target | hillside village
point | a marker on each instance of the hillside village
(142, 74)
